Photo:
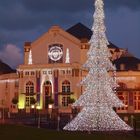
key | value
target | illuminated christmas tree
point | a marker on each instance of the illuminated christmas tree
(99, 98)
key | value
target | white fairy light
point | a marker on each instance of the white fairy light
(99, 97)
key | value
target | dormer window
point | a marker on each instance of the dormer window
(138, 66)
(122, 66)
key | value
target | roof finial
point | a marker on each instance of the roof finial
(30, 58)
(67, 56)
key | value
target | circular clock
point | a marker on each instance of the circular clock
(55, 53)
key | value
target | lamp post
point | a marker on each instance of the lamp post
(132, 121)
(38, 124)
(58, 121)
(50, 110)
(33, 107)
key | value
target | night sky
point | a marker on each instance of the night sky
(26, 20)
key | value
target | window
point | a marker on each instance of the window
(124, 98)
(32, 73)
(47, 83)
(63, 72)
(137, 101)
(47, 92)
(29, 92)
(65, 101)
(44, 72)
(68, 72)
(48, 88)
(27, 101)
(66, 86)
(50, 72)
(26, 73)
(122, 66)
(29, 88)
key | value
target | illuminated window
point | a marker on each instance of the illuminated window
(124, 98)
(65, 100)
(29, 88)
(44, 72)
(47, 92)
(29, 92)
(50, 72)
(27, 101)
(48, 88)
(66, 86)
(137, 101)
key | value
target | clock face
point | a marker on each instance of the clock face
(55, 53)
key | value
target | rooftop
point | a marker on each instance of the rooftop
(82, 32)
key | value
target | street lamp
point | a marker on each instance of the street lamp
(33, 109)
(32, 106)
(50, 110)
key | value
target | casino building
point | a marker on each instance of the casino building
(52, 70)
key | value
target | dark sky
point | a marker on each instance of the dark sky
(26, 20)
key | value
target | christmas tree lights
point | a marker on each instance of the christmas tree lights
(99, 97)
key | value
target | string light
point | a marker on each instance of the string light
(99, 98)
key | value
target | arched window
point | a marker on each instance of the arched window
(47, 83)
(48, 88)
(29, 88)
(66, 86)
(29, 93)
(47, 93)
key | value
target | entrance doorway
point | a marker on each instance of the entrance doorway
(47, 93)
